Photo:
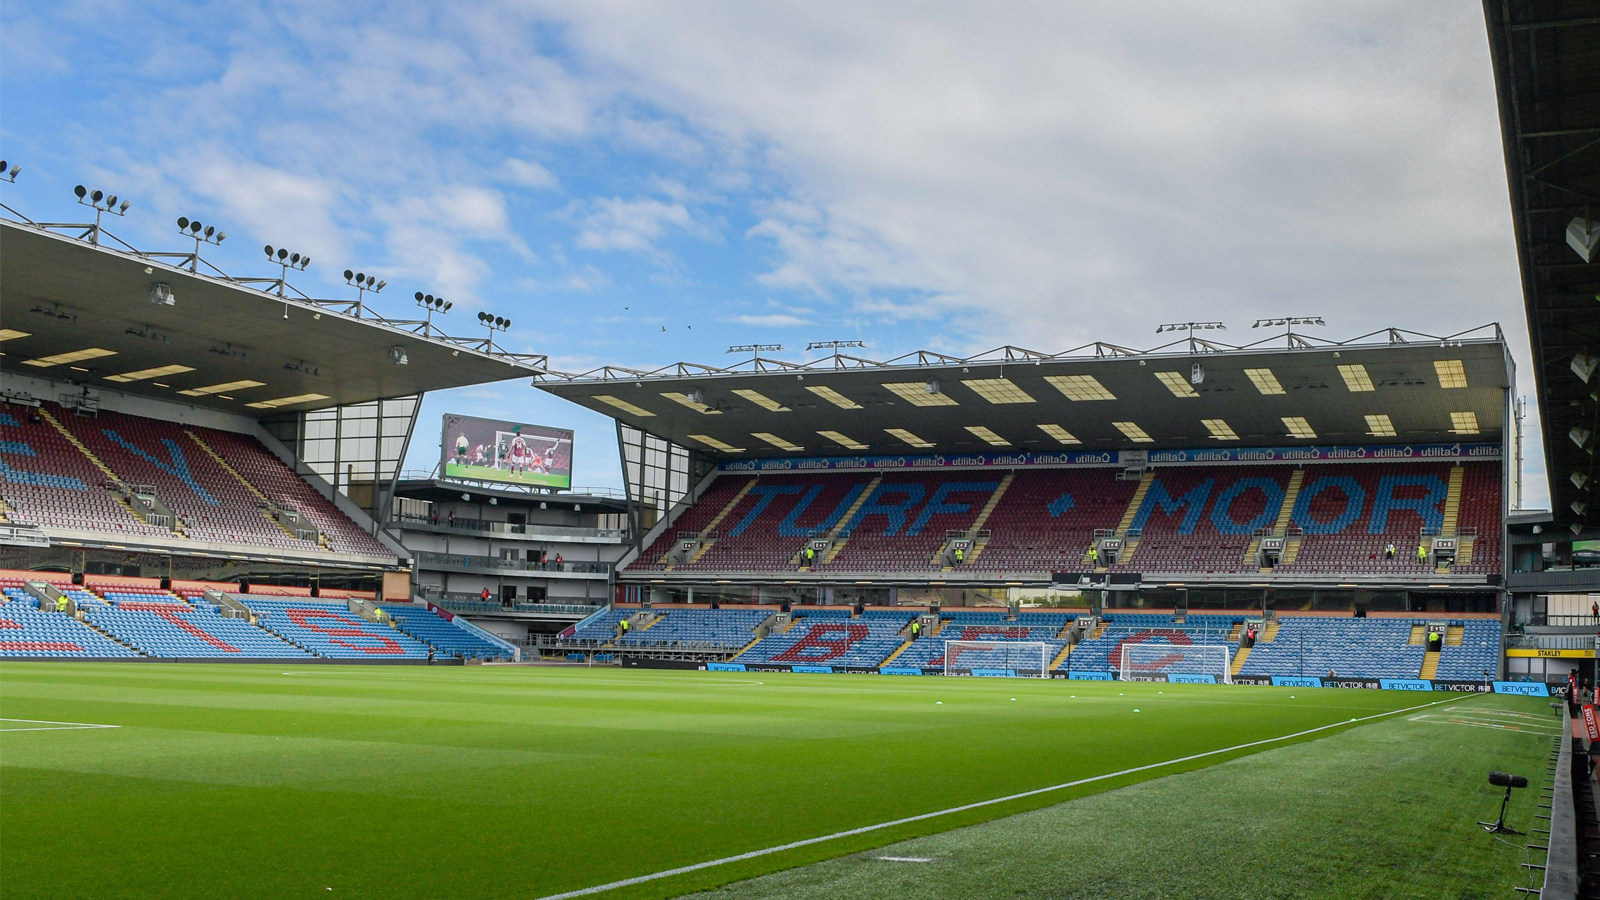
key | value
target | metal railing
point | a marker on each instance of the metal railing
(571, 493)
(486, 526)
(471, 603)
(494, 563)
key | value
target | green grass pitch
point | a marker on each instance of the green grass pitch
(469, 782)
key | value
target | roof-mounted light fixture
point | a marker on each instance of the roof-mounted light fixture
(1583, 236)
(202, 234)
(493, 323)
(101, 203)
(9, 175)
(286, 261)
(431, 305)
(363, 282)
(1583, 366)
(755, 348)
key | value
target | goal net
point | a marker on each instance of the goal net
(1152, 661)
(1023, 659)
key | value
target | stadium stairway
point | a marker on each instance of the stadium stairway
(889, 660)
(1291, 493)
(1060, 657)
(99, 464)
(980, 541)
(1129, 544)
(836, 542)
(1430, 665)
(228, 467)
(1238, 661)
(711, 526)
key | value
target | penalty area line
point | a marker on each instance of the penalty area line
(54, 726)
(867, 829)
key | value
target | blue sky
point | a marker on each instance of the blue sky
(945, 176)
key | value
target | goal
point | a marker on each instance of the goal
(1151, 660)
(1024, 659)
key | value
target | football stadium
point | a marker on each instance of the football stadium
(1206, 618)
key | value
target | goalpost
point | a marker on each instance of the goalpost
(1176, 659)
(1022, 659)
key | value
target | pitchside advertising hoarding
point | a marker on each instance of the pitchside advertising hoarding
(508, 452)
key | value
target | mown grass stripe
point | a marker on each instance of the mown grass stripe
(922, 817)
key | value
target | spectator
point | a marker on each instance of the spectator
(558, 559)
(485, 595)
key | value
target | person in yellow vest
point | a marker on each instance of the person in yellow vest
(1094, 556)
(916, 628)
(1422, 554)
(960, 555)
(811, 554)
(1435, 640)
(622, 629)
(61, 604)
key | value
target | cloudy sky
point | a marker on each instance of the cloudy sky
(638, 183)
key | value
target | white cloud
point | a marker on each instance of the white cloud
(529, 174)
(772, 320)
(634, 226)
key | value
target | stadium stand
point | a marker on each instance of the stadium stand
(1103, 653)
(863, 642)
(275, 481)
(1478, 651)
(46, 481)
(330, 629)
(445, 637)
(699, 628)
(218, 483)
(27, 632)
(159, 624)
(1047, 518)
(1191, 519)
(1354, 648)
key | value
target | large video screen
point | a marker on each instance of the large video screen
(511, 452)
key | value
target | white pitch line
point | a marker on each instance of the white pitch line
(54, 726)
(866, 829)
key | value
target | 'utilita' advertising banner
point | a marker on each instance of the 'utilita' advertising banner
(1207, 455)
(509, 452)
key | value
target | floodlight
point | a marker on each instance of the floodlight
(1583, 236)
(348, 274)
(97, 195)
(1583, 366)
(932, 386)
(1579, 507)
(698, 397)
(183, 223)
(1580, 436)
(80, 190)
(1579, 480)
(268, 248)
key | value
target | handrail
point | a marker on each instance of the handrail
(1561, 854)
(515, 565)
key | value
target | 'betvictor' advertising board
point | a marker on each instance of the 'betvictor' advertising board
(1207, 455)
